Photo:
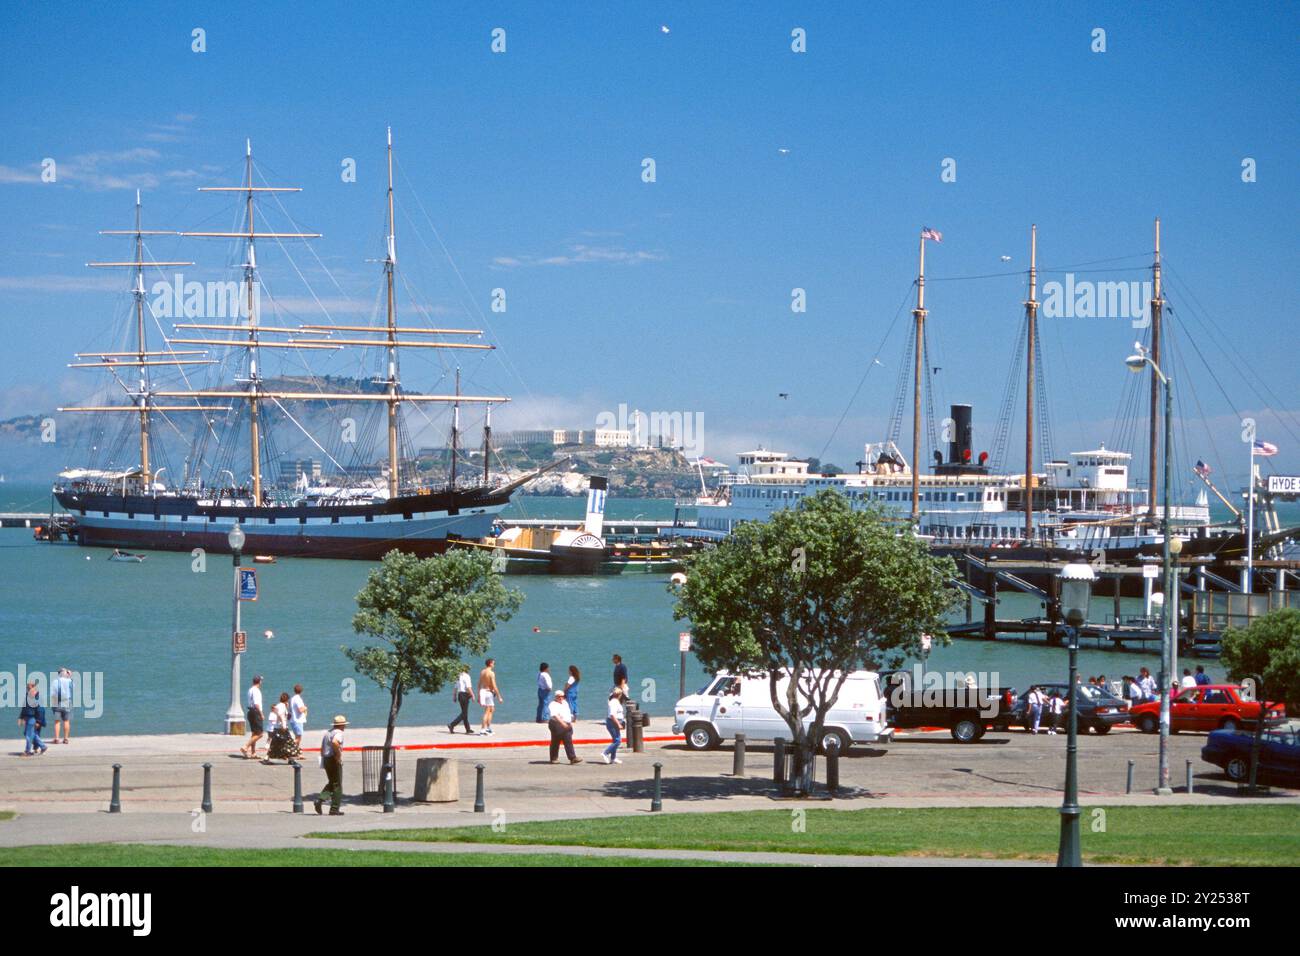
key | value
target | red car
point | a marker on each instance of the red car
(1205, 707)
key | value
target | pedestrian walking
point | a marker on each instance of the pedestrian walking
(489, 695)
(256, 719)
(297, 715)
(1147, 683)
(31, 719)
(331, 761)
(1188, 680)
(1202, 678)
(462, 695)
(543, 691)
(561, 725)
(61, 704)
(280, 744)
(615, 722)
(620, 675)
(1035, 701)
(571, 690)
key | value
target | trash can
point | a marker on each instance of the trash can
(372, 765)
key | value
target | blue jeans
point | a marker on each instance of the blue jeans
(571, 695)
(615, 737)
(1036, 714)
(33, 738)
(543, 695)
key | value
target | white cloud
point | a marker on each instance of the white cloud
(580, 253)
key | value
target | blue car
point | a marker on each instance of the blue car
(1279, 752)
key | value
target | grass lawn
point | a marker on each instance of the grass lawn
(6, 814)
(134, 854)
(1244, 835)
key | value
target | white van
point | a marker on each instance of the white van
(737, 704)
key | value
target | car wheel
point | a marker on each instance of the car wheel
(1148, 724)
(835, 740)
(1101, 728)
(1238, 769)
(966, 731)
(701, 737)
(1230, 724)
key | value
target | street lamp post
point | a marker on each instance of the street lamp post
(235, 714)
(1076, 592)
(1136, 363)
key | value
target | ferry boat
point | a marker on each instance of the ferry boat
(133, 507)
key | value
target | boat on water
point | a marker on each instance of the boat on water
(529, 549)
(1084, 504)
(126, 556)
(359, 517)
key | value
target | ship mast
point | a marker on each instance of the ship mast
(487, 442)
(1031, 326)
(455, 430)
(254, 392)
(1157, 307)
(919, 315)
(390, 264)
(143, 359)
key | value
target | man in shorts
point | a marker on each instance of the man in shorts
(61, 704)
(297, 714)
(256, 718)
(488, 694)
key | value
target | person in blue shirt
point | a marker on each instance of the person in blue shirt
(1202, 678)
(61, 704)
(32, 718)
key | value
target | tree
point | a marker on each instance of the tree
(1270, 648)
(818, 591)
(425, 614)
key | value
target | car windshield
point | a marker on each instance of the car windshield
(1285, 733)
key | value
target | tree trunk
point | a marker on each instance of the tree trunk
(395, 705)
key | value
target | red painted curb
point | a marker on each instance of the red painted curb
(468, 745)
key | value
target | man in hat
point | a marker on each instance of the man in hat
(331, 761)
(561, 725)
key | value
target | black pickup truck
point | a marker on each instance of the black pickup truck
(966, 710)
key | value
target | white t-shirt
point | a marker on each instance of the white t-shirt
(463, 684)
(1187, 681)
(560, 709)
(333, 738)
(298, 708)
(279, 716)
(616, 709)
(544, 680)
(254, 697)
(1058, 705)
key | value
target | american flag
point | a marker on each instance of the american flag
(1202, 469)
(1265, 449)
(928, 233)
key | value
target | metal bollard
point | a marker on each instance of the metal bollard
(832, 768)
(738, 757)
(778, 760)
(389, 805)
(657, 803)
(479, 805)
(297, 787)
(206, 805)
(1128, 787)
(115, 804)
(1189, 776)
(638, 733)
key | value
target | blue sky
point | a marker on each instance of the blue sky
(775, 170)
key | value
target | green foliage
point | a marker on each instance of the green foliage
(1269, 647)
(820, 586)
(425, 615)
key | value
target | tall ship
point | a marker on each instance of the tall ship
(1087, 502)
(363, 515)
